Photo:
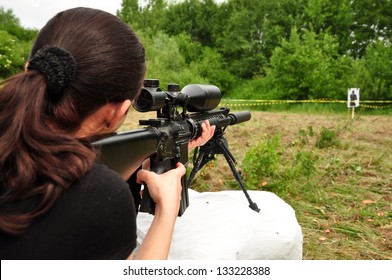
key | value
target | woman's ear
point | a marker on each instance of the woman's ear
(106, 119)
(119, 115)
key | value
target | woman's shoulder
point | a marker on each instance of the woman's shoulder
(102, 176)
(101, 183)
(101, 170)
(102, 205)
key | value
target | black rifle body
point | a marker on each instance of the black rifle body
(165, 142)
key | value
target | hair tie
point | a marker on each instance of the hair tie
(57, 64)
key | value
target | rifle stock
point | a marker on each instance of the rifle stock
(125, 151)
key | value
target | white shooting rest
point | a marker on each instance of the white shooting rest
(221, 226)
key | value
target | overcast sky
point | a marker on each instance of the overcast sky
(35, 13)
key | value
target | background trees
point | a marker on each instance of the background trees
(309, 67)
(253, 49)
(15, 42)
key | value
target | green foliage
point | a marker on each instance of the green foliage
(271, 166)
(304, 163)
(210, 68)
(309, 67)
(305, 136)
(373, 72)
(251, 30)
(198, 19)
(333, 17)
(175, 60)
(130, 12)
(165, 61)
(190, 49)
(372, 21)
(270, 49)
(239, 46)
(12, 54)
(375, 77)
(11, 24)
(257, 88)
(15, 43)
(206, 62)
(327, 138)
(262, 161)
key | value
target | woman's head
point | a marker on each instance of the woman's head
(109, 61)
(85, 63)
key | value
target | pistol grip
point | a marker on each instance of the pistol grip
(147, 204)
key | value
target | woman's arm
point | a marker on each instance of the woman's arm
(165, 190)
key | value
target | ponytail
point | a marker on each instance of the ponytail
(36, 163)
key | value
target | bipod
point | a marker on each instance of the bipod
(207, 152)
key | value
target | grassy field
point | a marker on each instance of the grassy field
(336, 172)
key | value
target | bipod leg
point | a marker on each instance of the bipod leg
(237, 175)
(203, 157)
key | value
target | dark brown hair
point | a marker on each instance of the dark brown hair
(36, 162)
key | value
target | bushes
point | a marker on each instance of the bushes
(262, 161)
(273, 167)
(327, 138)
(15, 43)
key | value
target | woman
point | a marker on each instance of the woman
(85, 69)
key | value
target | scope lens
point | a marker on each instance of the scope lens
(149, 100)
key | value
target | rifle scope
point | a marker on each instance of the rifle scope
(193, 97)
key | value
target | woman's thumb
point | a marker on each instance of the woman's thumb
(142, 175)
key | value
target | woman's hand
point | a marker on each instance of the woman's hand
(207, 131)
(165, 189)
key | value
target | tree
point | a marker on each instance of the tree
(11, 24)
(198, 18)
(251, 30)
(334, 17)
(309, 67)
(15, 43)
(372, 22)
(129, 12)
(149, 17)
(165, 61)
(299, 49)
(375, 77)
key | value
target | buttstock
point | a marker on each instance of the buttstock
(125, 151)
